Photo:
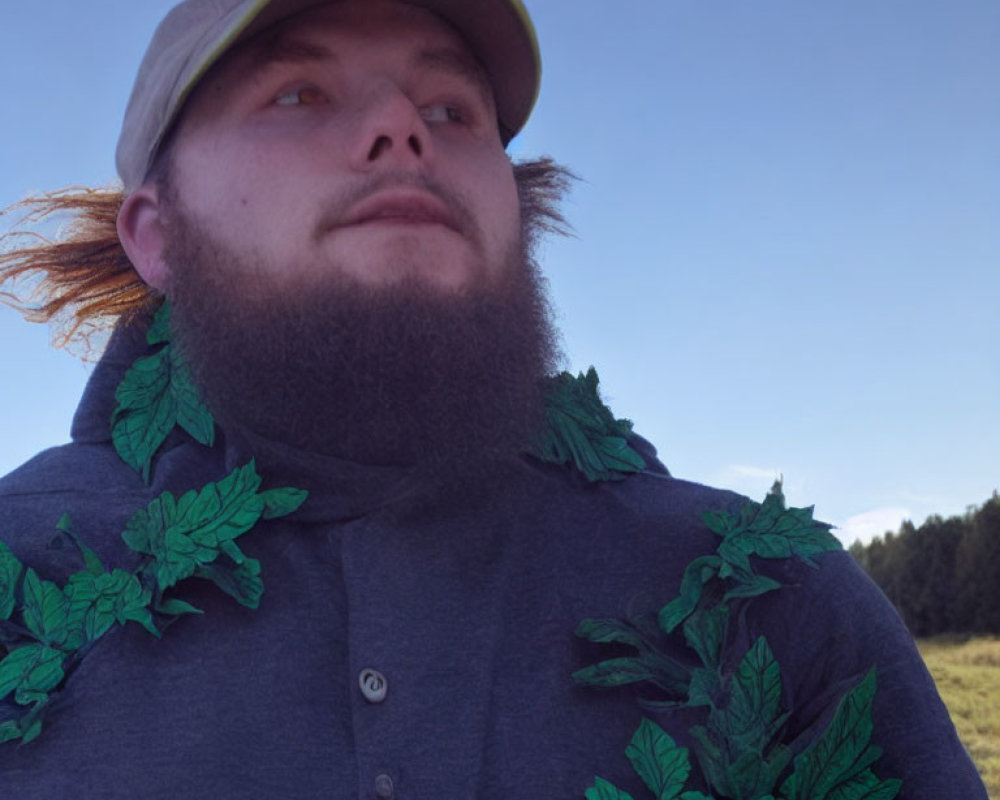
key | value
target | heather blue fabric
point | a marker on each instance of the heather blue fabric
(465, 600)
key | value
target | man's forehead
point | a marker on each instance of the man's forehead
(197, 35)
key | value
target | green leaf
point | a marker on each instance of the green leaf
(604, 631)
(662, 765)
(754, 586)
(281, 502)
(841, 753)
(10, 574)
(705, 684)
(183, 535)
(146, 411)
(705, 632)
(754, 710)
(9, 730)
(581, 430)
(616, 672)
(90, 558)
(602, 790)
(31, 671)
(45, 609)
(696, 575)
(156, 395)
(192, 415)
(866, 786)
(242, 582)
(177, 608)
(159, 329)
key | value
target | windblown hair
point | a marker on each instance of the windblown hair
(83, 281)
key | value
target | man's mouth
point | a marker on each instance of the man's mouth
(401, 207)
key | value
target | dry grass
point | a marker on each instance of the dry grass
(967, 673)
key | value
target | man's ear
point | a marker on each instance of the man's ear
(140, 230)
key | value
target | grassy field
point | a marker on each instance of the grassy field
(967, 674)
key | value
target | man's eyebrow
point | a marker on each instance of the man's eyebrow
(259, 54)
(458, 63)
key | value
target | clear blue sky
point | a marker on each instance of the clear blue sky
(787, 250)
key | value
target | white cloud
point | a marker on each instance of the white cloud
(869, 524)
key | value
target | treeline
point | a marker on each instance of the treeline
(944, 576)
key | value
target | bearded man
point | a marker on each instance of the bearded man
(331, 376)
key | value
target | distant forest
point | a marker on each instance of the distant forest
(944, 576)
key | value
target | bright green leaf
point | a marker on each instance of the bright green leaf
(29, 671)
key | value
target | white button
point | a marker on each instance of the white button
(384, 788)
(373, 686)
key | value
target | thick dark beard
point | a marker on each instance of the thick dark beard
(403, 374)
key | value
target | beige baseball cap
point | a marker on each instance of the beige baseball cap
(197, 33)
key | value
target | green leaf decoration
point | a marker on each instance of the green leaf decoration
(46, 611)
(581, 430)
(156, 395)
(99, 601)
(602, 790)
(603, 631)
(10, 573)
(840, 758)
(696, 575)
(183, 535)
(31, 672)
(94, 565)
(739, 750)
(662, 765)
(754, 710)
(243, 582)
(281, 502)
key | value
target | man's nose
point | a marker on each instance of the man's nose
(392, 132)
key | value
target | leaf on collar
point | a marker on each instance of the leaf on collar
(155, 396)
(581, 430)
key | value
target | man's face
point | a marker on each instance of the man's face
(358, 137)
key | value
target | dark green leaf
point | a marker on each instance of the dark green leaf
(45, 609)
(696, 575)
(9, 730)
(754, 709)
(705, 684)
(705, 632)
(603, 631)
(10, 573)
(841, 752)
(176, 608)
(242, 583)
(602, 790)
(662, 765)
(754, 586)
(192, 415)
(90, 558)
(866, 786)
(281, 502)
(615, 672)
(159, 329)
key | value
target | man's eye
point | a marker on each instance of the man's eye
(302, 96)
(440, 112)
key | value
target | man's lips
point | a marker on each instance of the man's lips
(402, 207)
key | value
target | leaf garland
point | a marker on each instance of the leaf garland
(156, 395)
(580, 430)
(49, 628)
(739, 749)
